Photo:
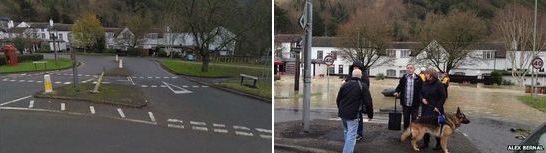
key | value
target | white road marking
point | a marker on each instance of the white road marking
(150, 77)
(79, 74)
(92, 109)
(181, 91)
(244, 133)
(12, 80)
(174, 77)
(16, 100)
(204, 86)
(163, 86)
(134, 77)
(152, 118)
(30, 80)
(144, 86)
(157, 77)
(263, 130)
(63, 106)
(195, 86)
(175, 126)
(121, 113)
(87, 75)
(265, 136)
(199, 128)
(153, 86)
(165, 77)
(220, 130)
(31, 104)
(218, 125)
(39, 81)
(240, 127)
(22, 80)
(175, 120)
(67, 82)
(142, 77)
(129, 78)
(465, 134)
(185, 86)
(198, 123)
(58, 82)
(4, 79)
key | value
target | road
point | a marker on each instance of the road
(181, 116)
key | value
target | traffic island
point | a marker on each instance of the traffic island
(45, 65)
(113, 94)
(327, 136)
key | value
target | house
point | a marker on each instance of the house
(494, 56)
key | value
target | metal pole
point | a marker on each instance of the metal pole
(534, 51)
(307, 66)
(297, 72)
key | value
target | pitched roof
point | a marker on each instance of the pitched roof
(62, 27)
(287, 38)
(39, 25)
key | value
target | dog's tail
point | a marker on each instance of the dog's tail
(405, 134)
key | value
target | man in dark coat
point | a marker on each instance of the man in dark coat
(408, 90)
(351, 98)
(433, 98)
(366, 80)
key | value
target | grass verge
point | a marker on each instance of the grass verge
(535, 102)
(215, 70)
(262, 90)
(62, 63)
(114, 94)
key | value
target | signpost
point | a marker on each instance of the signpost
(329, 61)
(537, 63)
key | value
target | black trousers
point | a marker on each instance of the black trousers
(426, 140)
(409, 113)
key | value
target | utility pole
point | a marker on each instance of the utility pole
(534, 52)
(307, 66)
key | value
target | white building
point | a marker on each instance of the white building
(493, 57)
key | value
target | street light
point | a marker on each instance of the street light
(54, 38)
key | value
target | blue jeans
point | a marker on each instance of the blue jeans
(350, 127)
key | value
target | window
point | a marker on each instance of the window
(43, 36)
(320, 54)
(391, 53)
(488, 54)
(331, 70)
(340, 70)
(405, 54)
(391, 73)
(402, 72)
(61, 36)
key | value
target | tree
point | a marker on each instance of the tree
(365, 38)
(139, 25)
(207, 21)
(282, 23)
(447, 41)
(514, 27)
(87, 31)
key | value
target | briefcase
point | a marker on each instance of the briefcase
(395, 118)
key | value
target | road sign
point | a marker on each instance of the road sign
(329, 60)
(537, 63)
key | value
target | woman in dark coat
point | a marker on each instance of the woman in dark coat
(433, 97)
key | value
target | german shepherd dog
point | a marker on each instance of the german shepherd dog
(419, 127)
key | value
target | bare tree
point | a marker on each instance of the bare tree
(447, 41)
(514, 27)
(365, 38)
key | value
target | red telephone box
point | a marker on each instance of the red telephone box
(11, 55)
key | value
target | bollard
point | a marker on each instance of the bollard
(117, 59)
(47, 84)
(120, 64)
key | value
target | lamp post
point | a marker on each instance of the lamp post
(54, 38)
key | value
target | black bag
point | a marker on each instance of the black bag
(395, 118)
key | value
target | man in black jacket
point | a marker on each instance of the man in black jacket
(366, 80)
(351, 98)
(409, 89)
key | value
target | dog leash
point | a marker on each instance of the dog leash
(441, 119)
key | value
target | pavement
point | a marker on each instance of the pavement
(484, 135)
(327, 136)
(181, 115)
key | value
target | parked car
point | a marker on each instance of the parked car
(189, 57)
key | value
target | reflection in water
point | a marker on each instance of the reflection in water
(501, 104)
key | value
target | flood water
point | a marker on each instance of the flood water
(500, 104)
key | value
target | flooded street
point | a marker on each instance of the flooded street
(498, 104)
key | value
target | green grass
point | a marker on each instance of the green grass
(29, 66)
(535, 102)
(125, 95)
(215, 70)
(263, 90)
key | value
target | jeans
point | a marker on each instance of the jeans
(350, 127)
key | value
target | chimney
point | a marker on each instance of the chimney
(50, 22)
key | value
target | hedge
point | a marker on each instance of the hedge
(23, 58)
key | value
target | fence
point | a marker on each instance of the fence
(237, 59)
(487, 80)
